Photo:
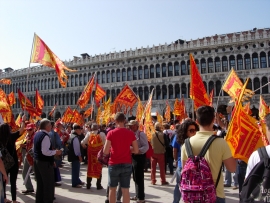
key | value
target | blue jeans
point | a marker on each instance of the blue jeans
(177, 193)
(119, 173)
(220, 200)
(75, 172)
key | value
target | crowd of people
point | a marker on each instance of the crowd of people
(45, 144)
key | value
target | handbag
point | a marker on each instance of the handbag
(103, 158)
(8, 160)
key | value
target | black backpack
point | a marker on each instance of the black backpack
(256, 187)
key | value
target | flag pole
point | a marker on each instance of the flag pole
(222, 88)
(27, 77)
(261, 87)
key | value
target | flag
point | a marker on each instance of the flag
(243, 135)
(67, 116)
(11, 99)
(233, 87)
(263, 108)
(88, 112)
(126, 98)
(159, 118)
(98, 117)
(168, 112)
(99, 94)
(5, 81)
(211, 97)
(77, 118)
(26, 104)
(180, 109)
(42, 54)
(52, 111)
(5, 108)
(247, 108)
(262, 128)
(140, 110)
(39, 103)
(86, 94)
(197, 90)
(18, 120)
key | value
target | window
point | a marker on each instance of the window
(176, 69)
(157, 71)
(188, 67)
(118, 75)
(72, 81)
(257, 85)
(217, 64)
(164, 92)
(177, 91)
(76, 80)
(184, 89)
(218, 87)
(80, 80)
(158, 92)
(141, 93)
(140, 76)
(103, 77)
(135, 73)
(53, 83)
(146, 93)
(263, 60)
(247, 61)
(265, 88)
(210, 65)
(170, 92)
(124, 75)
(98, 78)
(85, 79)
(170, 70)
(203, 66)
(211, 86)
(255, 63)
(108, 75)
(232, 62)
(135, 90)
(152, 71)
(146, 72)
(56, 83)
(113, 95)
(113, 76)
(224, 64)
(164, 70)
(239, 62)
(183, 68)
(129, 74)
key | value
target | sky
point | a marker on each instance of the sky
(73, 27)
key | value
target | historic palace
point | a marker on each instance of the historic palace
(162, 67)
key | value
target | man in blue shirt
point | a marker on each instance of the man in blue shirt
(177, 162)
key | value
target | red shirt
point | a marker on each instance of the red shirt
(121, 140)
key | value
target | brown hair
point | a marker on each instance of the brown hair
(120, 117)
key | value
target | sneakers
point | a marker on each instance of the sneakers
(27, 191)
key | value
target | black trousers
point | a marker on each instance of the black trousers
(44, 173)
(241, 172)
(13, 171)
(138, 162)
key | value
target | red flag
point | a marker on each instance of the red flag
(67, 116)
(197, 89)
(99, 94)
(26, 104)
(39, 103)
(43, 54)
(211, 96)
(126, 97)
(11, 99)
(86, 94)
(5, 81)
(52, 111)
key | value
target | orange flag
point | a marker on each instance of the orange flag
(67, 116)
(167, 115)
(18, 120)
(247, 108)
(99, 94)
(126, 97)
(86, 94)
(139, 110)
(39, 103)
(88, 112)
(26, 104)
(77, 118)
(197, 89)
(211, 96)
(53, 109)
(5, 81)
(180, 109)
(159, 118)
(5, 109)
(42, 54)
(11, 99)
(243, 135)
(263, 108)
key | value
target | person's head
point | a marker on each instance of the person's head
(267, 121)
(229, 108)
(133, 125)
(120, 119)
(52, 123)
(77, 129)
(166, 126)
(30, 128)
(103, 127)
(94, 126)
(187, 129)
(205, 116)
(45, 124)
(4, 133)
(158, 126)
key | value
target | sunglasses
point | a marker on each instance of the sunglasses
(192, 130)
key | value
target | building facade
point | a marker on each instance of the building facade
(164, 68)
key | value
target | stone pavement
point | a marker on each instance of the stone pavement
(67, 194)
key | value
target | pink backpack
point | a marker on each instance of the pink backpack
(196, 183)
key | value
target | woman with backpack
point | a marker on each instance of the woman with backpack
(7, 140)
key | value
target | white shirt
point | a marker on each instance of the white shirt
(168, 132)
(254, 159)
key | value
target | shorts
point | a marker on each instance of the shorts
(119, 173)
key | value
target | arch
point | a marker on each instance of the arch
(146, 93)
(151, 88)
(117, 92)
(224, 64)
(164, 70)
(146, 72)
(56, 99)
(103, 77)
(210, 65)
(72, 81)
(232, 61)
(265, 88)
(184, 89)
(255, 62)
(29, 87)
(76, 80)
(85, 79)
(129, 74)
(113, 75)
(170, 69)
(108, 76)
(32, 86)
(171, 96)
(56, 83)
(188, 67)
(249, 85)
(52, 103)
(57, 115)
(67, 99)
(158, 75)
(140, 90)
(135, 90)
(203, 66)
(80, 80)
(205, 85)
(135, 73)
(108, 94)
(263, 60)
(176, 68)
(41, 88)
(217, 64)
(113, 95)
(152, 71)
(44, 99)
(124, 74)
(210, 86)
(164, 92)
(218, 87)
(45, 84)
(158, 92)
(98, 78)
(257, 85)
(118, 75)
(183, 68)
(89, 76)
(140, 73)
(76, 97)
(247, 61)
(177, 91)
(239, 62)
(37, 84)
